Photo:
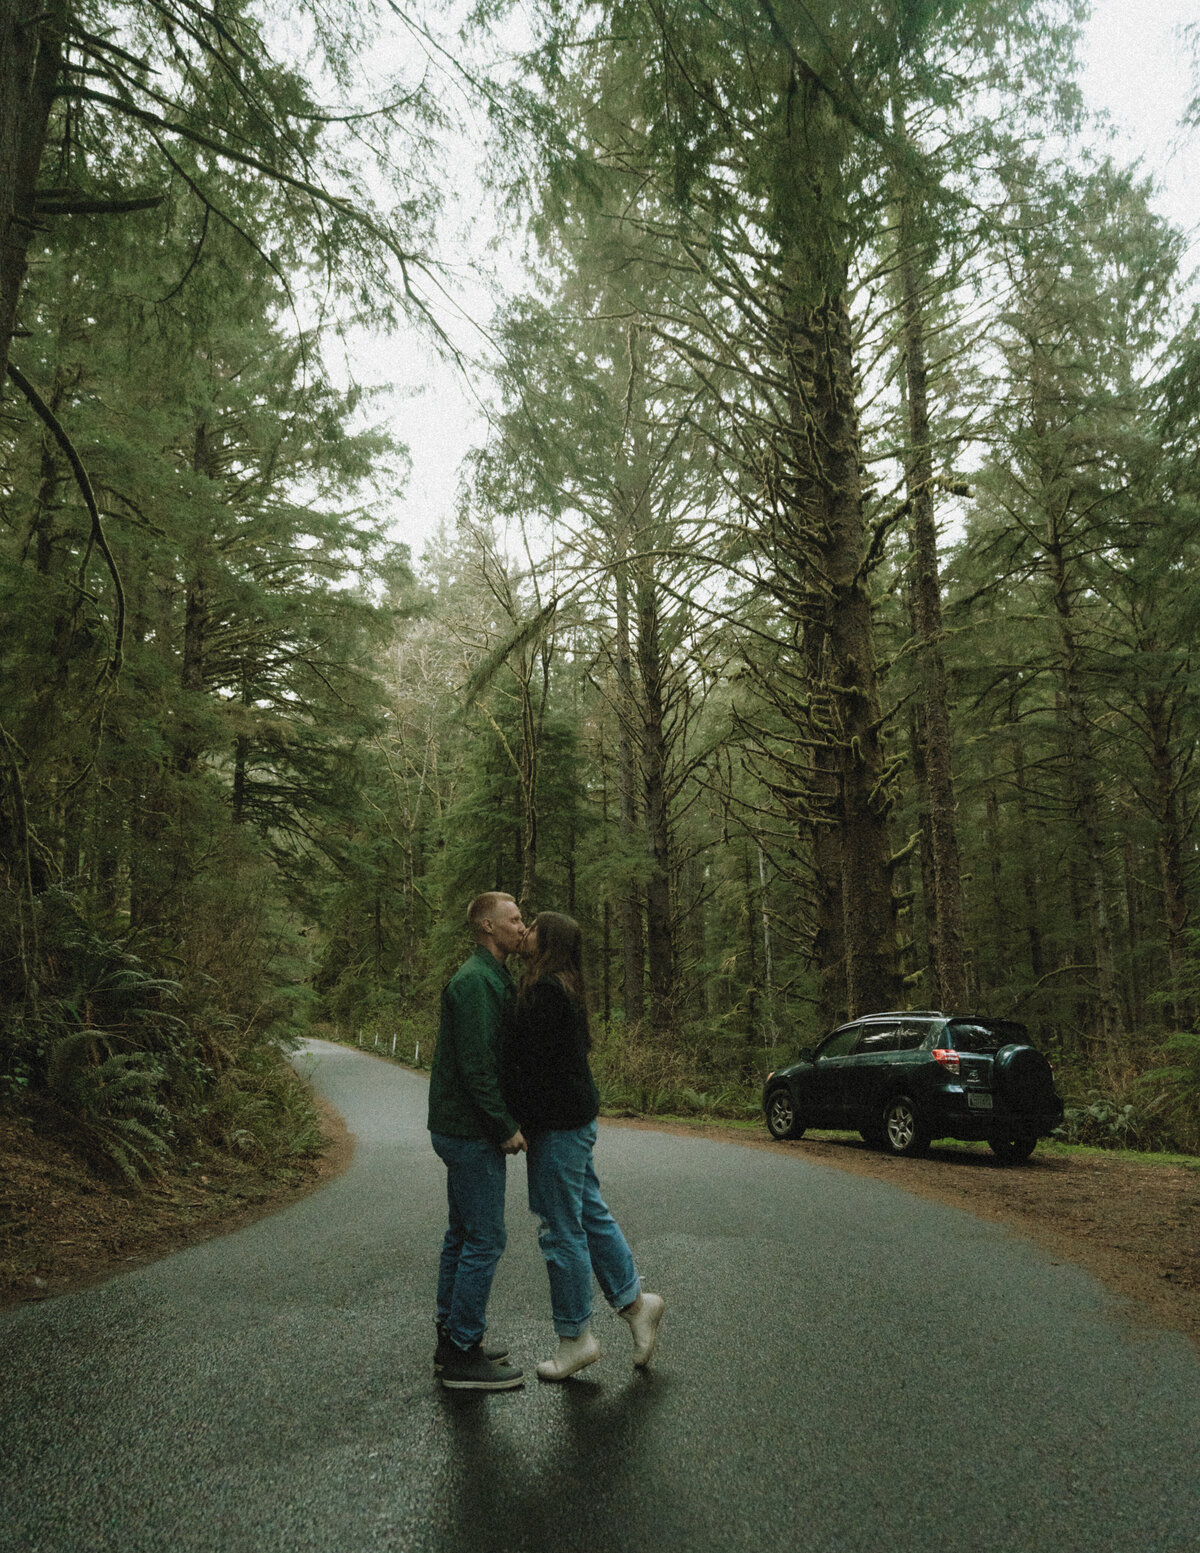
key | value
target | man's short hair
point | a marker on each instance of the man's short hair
(483, 906)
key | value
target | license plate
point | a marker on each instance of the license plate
(979, 1102)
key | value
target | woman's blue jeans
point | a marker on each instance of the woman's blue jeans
(578, 1235)
(475, 1237)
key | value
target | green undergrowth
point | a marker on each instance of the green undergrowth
(139, 1048)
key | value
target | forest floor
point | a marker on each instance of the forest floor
(1134, 1225)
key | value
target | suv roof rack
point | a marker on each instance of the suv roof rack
(901, 1013)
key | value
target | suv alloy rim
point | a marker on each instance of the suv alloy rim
(901, 1126)
(782, 1113)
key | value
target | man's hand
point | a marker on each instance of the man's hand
(514, 1145)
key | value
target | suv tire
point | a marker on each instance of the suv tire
(782, 1118)
(904, 1131)
(1013, 1148)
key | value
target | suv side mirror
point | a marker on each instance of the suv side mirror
(806, 1054)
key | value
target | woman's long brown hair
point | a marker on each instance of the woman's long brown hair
(559, 953)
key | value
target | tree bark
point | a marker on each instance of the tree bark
(1169, 839)
(1031, 847)
(751, 977)
(659, 937)
(828, 504)
(768, 952)
(632, 954)
(929, 898)
(531, 740)
(1134, 1011)
(999, 935)
(949, 949)
(31, 45)
(195, 620)
(1082, 787)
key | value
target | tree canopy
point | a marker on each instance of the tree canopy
(817, 624)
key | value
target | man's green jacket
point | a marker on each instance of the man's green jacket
(464, 1090)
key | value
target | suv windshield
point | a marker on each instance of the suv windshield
(984, 1035)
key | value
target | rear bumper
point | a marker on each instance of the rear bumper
(960, 1120)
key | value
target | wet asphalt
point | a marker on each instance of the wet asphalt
(842, 1367)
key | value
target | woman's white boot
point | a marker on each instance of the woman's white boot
(574, 1353)
(643, 1317)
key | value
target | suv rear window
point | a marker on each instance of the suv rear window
(984, 1035)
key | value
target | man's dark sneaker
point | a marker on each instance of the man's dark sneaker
(469, 1370)
(492, 1351)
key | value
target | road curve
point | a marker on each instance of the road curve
(843, 1368)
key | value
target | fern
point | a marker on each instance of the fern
(112, 1098)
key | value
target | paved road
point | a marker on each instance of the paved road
(843, 1367)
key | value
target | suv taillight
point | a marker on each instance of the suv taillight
(947, 1058)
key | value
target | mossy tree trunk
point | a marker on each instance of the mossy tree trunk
(948, 942)
(823, 530)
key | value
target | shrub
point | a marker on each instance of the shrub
(636, 1074)
(260, 1110)
(133, 1066)
(1114, 1122)
(1175, 1087)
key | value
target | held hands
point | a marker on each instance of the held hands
(514, 1145)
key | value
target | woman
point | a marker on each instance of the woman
(548, 1087)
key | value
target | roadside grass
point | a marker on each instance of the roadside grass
(1090, 1151)
(1053, 1146)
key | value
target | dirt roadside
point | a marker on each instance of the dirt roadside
(62, 1226)
(1135, 1227)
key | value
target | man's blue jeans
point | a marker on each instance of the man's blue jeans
(475, 1237)
(578, 1235)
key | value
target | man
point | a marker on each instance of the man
(472, 1133)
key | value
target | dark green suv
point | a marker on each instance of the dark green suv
(903, 1079)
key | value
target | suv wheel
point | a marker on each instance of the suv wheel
(904, 1132)
(1015, 1148)
(782, 1119)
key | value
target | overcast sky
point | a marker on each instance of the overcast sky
(1135, 67)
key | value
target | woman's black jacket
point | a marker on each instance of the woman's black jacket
(544, 1075)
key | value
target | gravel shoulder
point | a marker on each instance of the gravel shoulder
(1132, 1225)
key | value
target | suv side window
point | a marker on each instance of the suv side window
(840, 1043)
(877, 1038)
(912, 1035)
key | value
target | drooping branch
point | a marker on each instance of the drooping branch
(97, 537)
(71, 202)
